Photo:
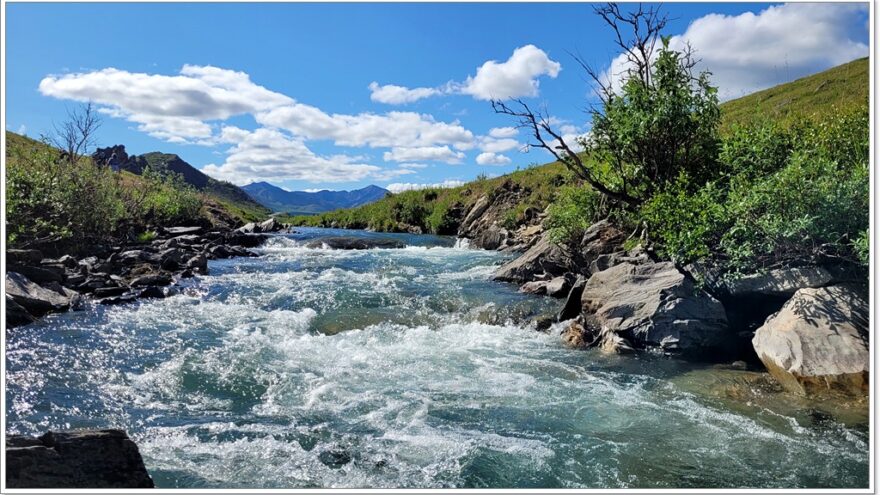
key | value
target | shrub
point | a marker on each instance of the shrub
(573, 211)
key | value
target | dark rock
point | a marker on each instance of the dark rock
(121, 299)
(334, 458)
(543, 257)
(16, 315)
(75, 459)
(133, 256)
(492, 237)
(35, 299)
(39, 275)
(67, 261)
(248, 228)
(354, 243)
(152, 293)
(244, 240)
(778, 283)
(151, 279)
(576, 336)
(198, 263)
(176, 231)
(23, 256)
(559, 286)
(543, 323)
(572, 307)
(109, 292)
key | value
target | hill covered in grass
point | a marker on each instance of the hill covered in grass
(435, 210)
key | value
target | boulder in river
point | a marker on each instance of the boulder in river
(75, 459)
(543, 257)
(354, 243)
(818, 341)
(654, 305)
(36, 299)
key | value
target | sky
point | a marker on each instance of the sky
(340, 96)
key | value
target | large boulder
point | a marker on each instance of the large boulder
(818, 341)
(654, 305)
(16, 315)
(38, 300)
(778, 283)
(543, 257)
(75, 459)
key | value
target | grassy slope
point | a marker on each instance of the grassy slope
(227, 196)
(840, 87)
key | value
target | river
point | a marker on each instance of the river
(405, 368)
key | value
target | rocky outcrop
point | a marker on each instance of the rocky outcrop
(486, 222)
(354, 243)
(75, 459)
(818, 341)
(543, 259)
(654, 305)
(116, 274)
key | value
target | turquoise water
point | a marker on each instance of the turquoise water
(405, 368)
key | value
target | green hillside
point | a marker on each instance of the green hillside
(822, 94)
(836, 89)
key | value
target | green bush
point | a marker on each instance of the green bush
(573, 211)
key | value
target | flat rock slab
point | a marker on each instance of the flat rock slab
(818, 341)
(75, 459)
(354, 243)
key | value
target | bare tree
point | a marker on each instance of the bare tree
(77, 135)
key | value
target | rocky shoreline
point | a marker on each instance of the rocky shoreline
(37, 285)
(806, 324)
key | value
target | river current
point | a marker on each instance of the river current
(405, 368)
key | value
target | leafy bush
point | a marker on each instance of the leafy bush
(573, 211)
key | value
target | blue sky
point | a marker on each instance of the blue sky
(285, 93)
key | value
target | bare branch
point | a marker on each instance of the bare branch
(77, 135)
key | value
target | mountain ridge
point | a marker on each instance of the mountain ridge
(305, 202)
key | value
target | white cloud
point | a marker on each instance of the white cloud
(174, 108)
(750, 52)
(499, 145)
(413, 165)
(22, 129)
(367, 129)
(398, 95)
(492, 159)
(503, 132)
(516, 77)
(268, 154)
(398, 187)
(389, 174)
(424, 153)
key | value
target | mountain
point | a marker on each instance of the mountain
(302, 202)
(231, 197)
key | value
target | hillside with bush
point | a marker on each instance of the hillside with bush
(788, 181)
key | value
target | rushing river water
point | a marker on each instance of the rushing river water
(405, 368)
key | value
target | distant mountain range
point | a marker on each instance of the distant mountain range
(302, 202)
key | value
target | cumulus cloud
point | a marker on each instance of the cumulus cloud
(174, 108)
(389, 174)
(424, 153)
(413, 165)
(492, 159)
(398, 95)
(398, 187)
(498, 145)
(750, 52)
(503, 132)
(517, 77)
(268, 154)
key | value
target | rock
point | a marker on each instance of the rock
(171, 259)
(780, 282)
(542, 257)
(23, 256)
(132, 256)
(221, 251)
(185, 240)
(109, 292)
(16, 315)
(39, 275)
(176, 231)
(543, 323)
(152, 293)
(75, 459)
(151, 279)
(248, 228)
(538, 287)
(601, 238)
(35, 299)
(818, 341)
(480, 207)
(67, 261)
(122, 299)
(198, 263)
(559, 286)
(572, 307)
(354, 243)
(237, 238)
(578, 337)
(270, 225)
(492, 237)
(334, 458)
(655, 306)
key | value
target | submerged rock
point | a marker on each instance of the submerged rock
(818, 341)
(75, 459)
(655, 305)
(354, 243)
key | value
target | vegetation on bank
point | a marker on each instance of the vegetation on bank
(72, 204)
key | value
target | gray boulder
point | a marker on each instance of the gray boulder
(176, 231)
(354, 243)
(572, 307)
(654, 305)
(779, 282)
(818, 341)
(75, 459)
(543, 257)
(151, 279)
(38, 300)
